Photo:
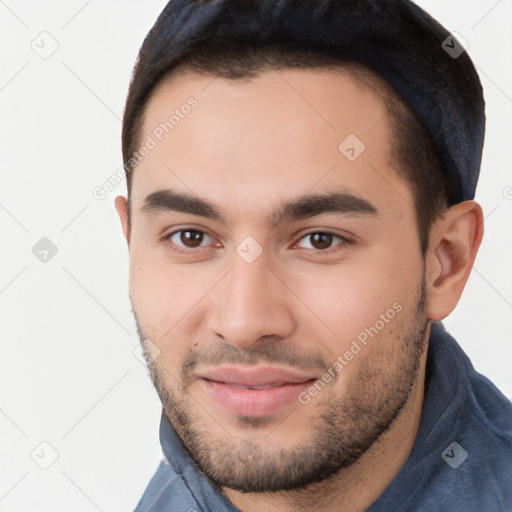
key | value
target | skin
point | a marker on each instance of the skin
(246, 148)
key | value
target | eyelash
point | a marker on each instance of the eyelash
(166, 240)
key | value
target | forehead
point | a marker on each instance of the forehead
(273, 136)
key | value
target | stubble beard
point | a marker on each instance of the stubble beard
(351, 421)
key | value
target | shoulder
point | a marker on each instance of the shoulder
(167, 492)
(473, 467)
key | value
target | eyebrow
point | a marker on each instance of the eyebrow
(309, 205)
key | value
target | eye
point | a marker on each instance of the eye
(187, 239)
(322, 241)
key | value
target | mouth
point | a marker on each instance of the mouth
(253, 391)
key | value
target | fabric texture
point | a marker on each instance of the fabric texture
(461, 460)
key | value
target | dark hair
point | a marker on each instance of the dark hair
(238, 39)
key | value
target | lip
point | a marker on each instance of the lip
(233, 387)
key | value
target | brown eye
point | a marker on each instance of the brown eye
(188, 238)
(191, 238)
(321, 241)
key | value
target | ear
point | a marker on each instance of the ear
(454, 243)
(121, 205)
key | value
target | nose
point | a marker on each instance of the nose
(250, 304)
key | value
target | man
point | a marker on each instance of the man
(300, 218)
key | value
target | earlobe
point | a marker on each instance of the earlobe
(121, 205)
(455, 240)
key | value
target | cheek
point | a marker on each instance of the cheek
(167, 300)
(345, 301)
(156, 292)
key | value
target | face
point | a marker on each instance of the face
(275, 273)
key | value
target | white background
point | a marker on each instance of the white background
(68, 374)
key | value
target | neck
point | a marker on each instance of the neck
(356, 487)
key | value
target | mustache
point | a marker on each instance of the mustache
(266, 352)
(269, 350)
